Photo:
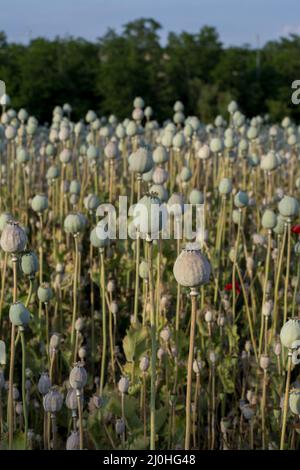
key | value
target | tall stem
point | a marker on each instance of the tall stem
(286, 399)
(24, 383)
(104, 334)
(153, 349)
(190, 371)
(75, 282)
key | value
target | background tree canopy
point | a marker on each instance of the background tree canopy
(194, 68)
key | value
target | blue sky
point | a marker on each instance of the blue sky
(238, 21)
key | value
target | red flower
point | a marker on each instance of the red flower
(228, 287)
(296, 229)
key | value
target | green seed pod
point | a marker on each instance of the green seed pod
(44, 293)
(140, 161)
(65, 156)
(90, 116)
(290, 332)
(241, 199)
(52, 172)
(269, 162)
(225, 186)
(252, 133)
(185, 174)
(279, 227)
(160, 155)
(196, 197)
(216, 145)
(50, 150)
(288, 207)
(22, 155)
(232, 107)
(92, 153)
(144, 270)
(138, 102)
(74, 223)
(111, 150)
(178, 117)
(191, 268)
(131, 129)
(75, 187)
(91, 202)
(39, 203)
(178, 140)
(4, 218)
(269, 219)
(96, 241)
(29, 263)
(294, 401)
(18, 314)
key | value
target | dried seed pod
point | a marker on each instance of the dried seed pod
(79, 324)
(44, 383)
(123, 385)
(144, 364)
(120, 426)
(264, 361)
(191, 268)
(294, 401)
(165, 334)
(78, 376)
(53, 400)
(71, 399)
(55, 341)
(13, 238)
(73, 441)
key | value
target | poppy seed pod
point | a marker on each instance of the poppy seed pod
(160, 155)
(120, 426)
(264, 361)
(4, 218)
(137, 114)
(216, 145)
(52, 173)
(111, 286)
(75, 187)
(140, 161)
(294, 401)
(79, 324)
(39, 203)
(288, 207)
(22, 155)
(290, 332)
(73, 441)
(71, 399)
(44, 293)
(44, 383)
(78, 377)
(91, 202)
(92, 153)
(175, 205)
(111, 150)
(203, 152)
(131, 129)
(267, 308)
(196, 197)
(197, 366)
(185, 174)
(241, 199)
(191, 268)
(149, 215)
(144, 270)
(138, 102)
(74, 223)
(144, 364)
(13, 238)
(269, 162)
(53, 400)
(65, 156)
(165, 334)
(225, 186)
(29, 263)
(269, 219)
(160, 175)
(18, 314)
(96, 241)
(123, 385)
(54, 341)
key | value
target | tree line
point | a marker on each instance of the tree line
(107, 74)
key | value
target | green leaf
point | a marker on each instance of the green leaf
(135, 342)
